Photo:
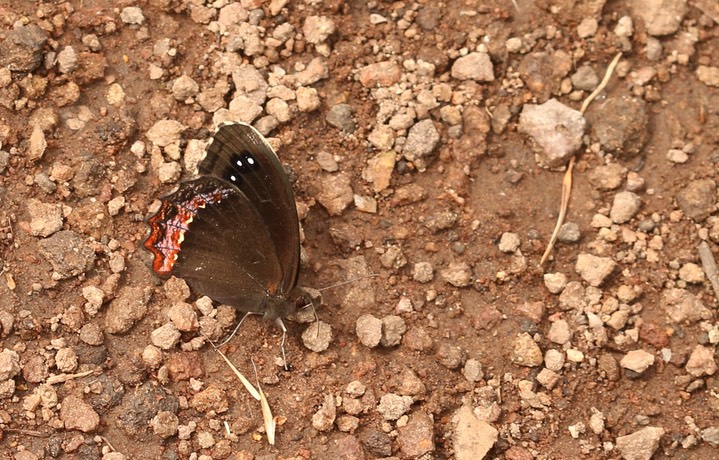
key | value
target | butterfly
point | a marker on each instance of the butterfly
(232, 232)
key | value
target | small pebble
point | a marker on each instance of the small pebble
(392, 406)
(369, 330)
(555, 282)
(423, 272)
(317, 337)
(509, 242)
(637, 361)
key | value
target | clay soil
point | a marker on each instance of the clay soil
(478, 184)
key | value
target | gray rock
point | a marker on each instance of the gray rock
(555, 129)
(317, 337)
(392, 406)
(421, 141)
(441, 220)
(569, 233)
(526, 351)
(474, 66)
(620, 124)
(340, 116)
(698, 199)
(472, 438)
(637, 361)
(22, 48)
(68, 254)
(585, 78)
(369, 330)
(377, 442)
(458, 274)
(641, 444)
(662, 17)
(624, 207)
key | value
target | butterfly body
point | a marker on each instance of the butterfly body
(232, 233)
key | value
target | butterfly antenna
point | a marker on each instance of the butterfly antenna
(234, 331)
(281, 325)
(352, 280)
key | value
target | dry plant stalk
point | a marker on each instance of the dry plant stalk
(567, 181)
(709, 265)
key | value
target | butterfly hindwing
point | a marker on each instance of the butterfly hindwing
(240, 155)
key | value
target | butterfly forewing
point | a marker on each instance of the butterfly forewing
(240, 155)
(201, 216)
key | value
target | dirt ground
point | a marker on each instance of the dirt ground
(408, 134)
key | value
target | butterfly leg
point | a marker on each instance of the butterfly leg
(237, 328)
(281, 325)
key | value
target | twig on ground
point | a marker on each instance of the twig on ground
(53, 379)
(603, 84)
(710, 266)
(251, 389)
(566, 191)
(567, 181)
(269, 420)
